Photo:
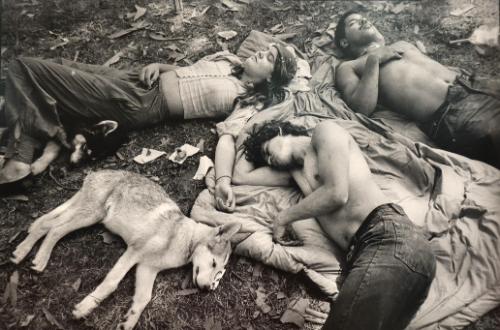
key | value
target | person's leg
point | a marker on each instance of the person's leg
(388, 280)
(42, 97)
(472, 126)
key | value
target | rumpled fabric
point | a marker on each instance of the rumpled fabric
(456, 200)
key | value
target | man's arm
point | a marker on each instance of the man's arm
(245, 173)
(331, 144)
(361, 94)
(358, 80)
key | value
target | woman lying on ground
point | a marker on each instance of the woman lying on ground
(43, 98)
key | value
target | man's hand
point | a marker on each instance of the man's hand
(224, 196)
(150, 73)
(284, 235)
(386, 54)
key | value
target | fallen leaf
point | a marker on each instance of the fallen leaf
(416, 29)
(201, 145)
(285, 36)
(420, 45)
(114, 59)
(119, 155)
(140, 12)
(231, 5)
(485, 35)
(21, 198)
(227, 35)
(278, 28)
(255, 314)
(257, 271)
(135, 27)
(4, 49)
(14, 237)
(260, 301)
(76, 285)
(27, 320)
(52, 320)
(238, 22)
(64, 42)
(160, 36)
(462, 11)
(398, 8)
(108, 238)
(186, 292)
(212, 324)
(280, 295)
(160, 9)
(295, 311)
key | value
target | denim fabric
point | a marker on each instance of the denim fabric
(44, 98)
(467, 122)
(390, 267)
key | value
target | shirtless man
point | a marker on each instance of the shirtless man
(379, 239)
(455, 115)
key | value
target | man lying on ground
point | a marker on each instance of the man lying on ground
(447, 106)
(389, 263)
(44, 98)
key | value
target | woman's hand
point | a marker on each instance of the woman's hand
(224, 196)
(150, 73)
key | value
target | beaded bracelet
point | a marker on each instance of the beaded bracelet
(223, 176)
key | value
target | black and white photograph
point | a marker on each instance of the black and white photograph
(250, 164)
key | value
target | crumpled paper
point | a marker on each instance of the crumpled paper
(148, 155)
(182, 153)
(203, 167)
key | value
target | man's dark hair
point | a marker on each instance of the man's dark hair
(340, 28)
(252, 147)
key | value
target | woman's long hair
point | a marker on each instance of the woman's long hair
(262, 94)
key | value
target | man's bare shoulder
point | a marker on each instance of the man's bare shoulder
(329, 130)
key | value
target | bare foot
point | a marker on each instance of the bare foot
(14, 170)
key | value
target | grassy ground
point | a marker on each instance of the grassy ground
(32, 27)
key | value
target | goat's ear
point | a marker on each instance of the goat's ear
(228, 230)
(107, 126)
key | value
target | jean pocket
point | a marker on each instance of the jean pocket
(413, 250)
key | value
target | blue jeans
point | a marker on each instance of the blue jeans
(390, 267)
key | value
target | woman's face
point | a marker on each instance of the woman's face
(260, 65)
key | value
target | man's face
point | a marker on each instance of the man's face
(260, 65)
(359, 32)
(277, 152)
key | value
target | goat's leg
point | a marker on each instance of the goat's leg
(66, 223)
(110, 283)
(41, 227)
(144, 281)
(50, 153)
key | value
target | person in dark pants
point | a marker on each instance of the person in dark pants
(389, 263)
(43, 98)
(459, 111)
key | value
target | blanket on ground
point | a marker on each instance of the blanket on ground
(456, 199)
